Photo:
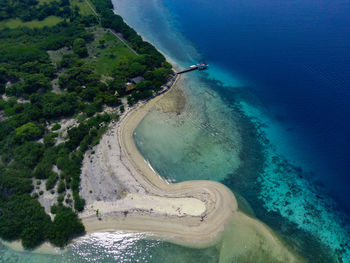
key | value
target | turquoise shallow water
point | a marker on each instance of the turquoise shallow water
(195, 144)
(225, 134)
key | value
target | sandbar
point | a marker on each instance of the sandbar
(191, 213)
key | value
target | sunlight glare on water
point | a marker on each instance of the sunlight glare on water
(117, 246)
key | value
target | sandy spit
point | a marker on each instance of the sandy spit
(190, 213)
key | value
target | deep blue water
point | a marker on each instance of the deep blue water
(295, 55)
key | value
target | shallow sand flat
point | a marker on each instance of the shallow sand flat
(249, 240)
(173, 102)
(45, 248)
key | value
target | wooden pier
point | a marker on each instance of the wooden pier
(201, 66)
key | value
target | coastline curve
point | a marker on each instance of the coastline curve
(209, 205)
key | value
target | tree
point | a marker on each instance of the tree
(79, 47)
(43, 170)
(136, 69)
(17, 89)
(34, 82)
(79, 202)
(61, 187)
(143, 85)
(28, 131)
(65, 225)
(76, 135)
(27, 155)
(10, 185)
(51, 181)
(56, 127)
(112, 100)
(69, 60)
(160, 74)
(50, 139)
(101, 43)
(23, 217)
(121, 108)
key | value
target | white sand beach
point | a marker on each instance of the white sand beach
(130, 195)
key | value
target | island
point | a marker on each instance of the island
(76, 81)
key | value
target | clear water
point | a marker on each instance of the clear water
(115, 247)
(259, 120)
(268, 120)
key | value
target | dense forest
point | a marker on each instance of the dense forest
(28, 10)
(72, 70)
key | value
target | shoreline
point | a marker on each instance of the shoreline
(207, 207)
(149, 204)
(191, 213)
(196, 228)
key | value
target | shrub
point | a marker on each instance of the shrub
(50, 139)
(27, 132)
(61, 186)
(79, 202)
(65, 225)
(79, 48)
(60, 198)
(51, 181)
(56, 127)
(53, 209)
(43, 170)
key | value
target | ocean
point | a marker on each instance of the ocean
(269, 119)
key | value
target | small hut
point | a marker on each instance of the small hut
(129, 86)
(137, 79)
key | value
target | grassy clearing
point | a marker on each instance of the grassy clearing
(104, 58)
(13, 23)
(56, 55)
(83, 7)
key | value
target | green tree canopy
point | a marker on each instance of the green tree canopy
(136, 69)
(79, 47)
(28, 131)
(65, 224)
(34, 82)
(22, 216)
